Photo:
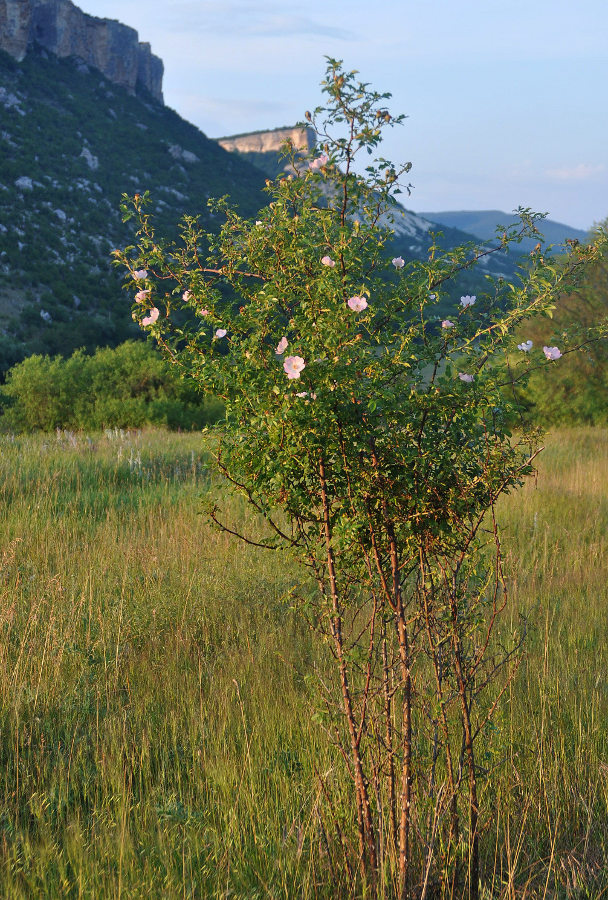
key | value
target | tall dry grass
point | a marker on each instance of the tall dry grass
(156, 724)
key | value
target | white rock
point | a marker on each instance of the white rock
(178, 152)
(91, 160)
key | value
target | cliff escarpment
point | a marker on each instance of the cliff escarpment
(63, 29)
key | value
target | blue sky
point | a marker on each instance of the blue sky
(506, 100)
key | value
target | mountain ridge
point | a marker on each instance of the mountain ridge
(483, 224)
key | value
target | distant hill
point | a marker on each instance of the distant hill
(71, 142)
(483, 223)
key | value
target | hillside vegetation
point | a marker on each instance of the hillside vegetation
(71, 143)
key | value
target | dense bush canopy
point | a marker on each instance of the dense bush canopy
(125, 387)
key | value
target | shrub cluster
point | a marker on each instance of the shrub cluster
(575, 392)
(126, 387)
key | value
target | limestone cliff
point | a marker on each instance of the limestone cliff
(65, 30)
(269, 141)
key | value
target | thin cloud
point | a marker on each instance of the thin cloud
(248, 20)
(580, 172)
(282, 25)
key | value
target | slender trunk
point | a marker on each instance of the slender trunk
(406, 772)
(435, 652)
(388, 737)
(469, 756)
(406, 677)
(366, 825)
(406, 680)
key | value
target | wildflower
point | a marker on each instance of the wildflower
(142, 296)
(220, 333)
(282, 346)
(526, 346)
(464, 376)
(398, 262)
(204, 312)
(151, 318)
(432, 296)
(186, 296)
(357, 304)
(467, 301)
(140, 274)
(552, 352)
(259, 222)
(302, 394)
(293, 365)
(319, 162)
(447, 324)
(328, 261)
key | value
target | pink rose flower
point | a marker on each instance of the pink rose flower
(151, 318)
(293, 365)
(220, 333)
(398, 262)
(467, 301)
(319, 162)
(357, 304)
(140, 274)
(464, 376)
(552, 352)
(447, 324)
(142, 296)
(282, 346)
(328, 261)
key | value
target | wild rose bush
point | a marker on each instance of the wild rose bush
(374, 439)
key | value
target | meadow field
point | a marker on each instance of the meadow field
(157, 727)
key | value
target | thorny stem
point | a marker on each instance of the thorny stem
(367, 831)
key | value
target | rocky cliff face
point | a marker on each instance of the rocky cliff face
(65, 30)
(269, 141)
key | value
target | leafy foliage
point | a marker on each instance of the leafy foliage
(575, 392)
(125, 387)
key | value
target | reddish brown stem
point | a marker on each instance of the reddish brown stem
(366, 825)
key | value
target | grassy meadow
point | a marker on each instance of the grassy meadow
(156, 727)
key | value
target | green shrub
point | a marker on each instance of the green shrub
(126, 387)
(576, 391)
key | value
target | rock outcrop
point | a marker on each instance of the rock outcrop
(269, 141)
(65, 30)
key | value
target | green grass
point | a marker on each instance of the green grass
(156, 731)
